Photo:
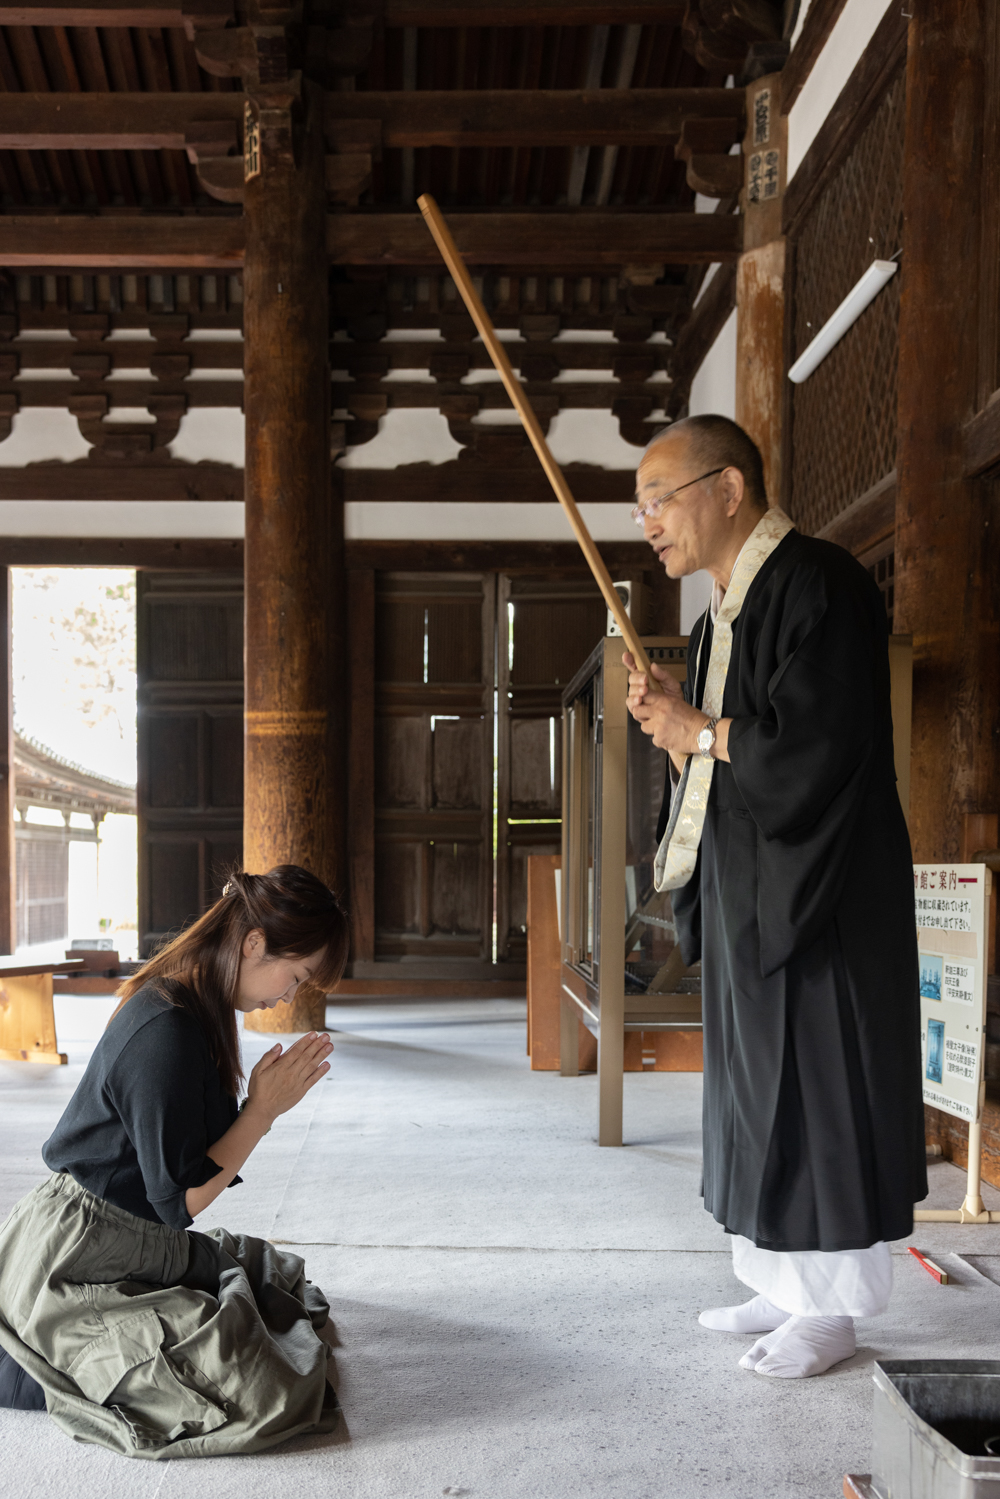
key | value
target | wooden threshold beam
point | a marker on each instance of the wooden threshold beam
(571, 241)
(535, 117)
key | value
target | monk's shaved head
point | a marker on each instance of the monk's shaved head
(717, 442)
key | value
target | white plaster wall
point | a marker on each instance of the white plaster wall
(856, 25)
(176, 519)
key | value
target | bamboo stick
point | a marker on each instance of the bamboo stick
(456, 265)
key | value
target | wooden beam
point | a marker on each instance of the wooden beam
(373, 358)
(585, 238)
(568, 241)
(535, 117)
(189, 14)
(981, 440)
(142, 552)
(123, 394)
(109, 122)
(486, 117)
(423, 483)
(550, 558)
(199, 13)
(821, 17)
(153, 482)
(533, 12)
(117, 242)
(591, 395)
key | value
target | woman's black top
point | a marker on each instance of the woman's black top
(150, 1103)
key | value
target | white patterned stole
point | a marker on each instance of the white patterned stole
(678, 852)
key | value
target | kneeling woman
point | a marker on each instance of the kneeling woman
(134, 1331)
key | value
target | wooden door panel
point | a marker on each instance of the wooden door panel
(402, 758)
(172, 869)
(433, 773)
(536, 767)
(455, 640)
(172, 760)
(456, 878)
(197, 640)
(458, 748)
(189, 639)
(225, 731)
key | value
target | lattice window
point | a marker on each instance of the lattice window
(844, 415)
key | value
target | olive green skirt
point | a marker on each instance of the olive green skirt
(156, 1342)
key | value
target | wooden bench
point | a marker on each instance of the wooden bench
(27, 1018)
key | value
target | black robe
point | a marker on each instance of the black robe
(801, 909)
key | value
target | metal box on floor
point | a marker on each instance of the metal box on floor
(926, 1412)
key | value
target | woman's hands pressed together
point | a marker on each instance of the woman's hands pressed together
(280, 1079)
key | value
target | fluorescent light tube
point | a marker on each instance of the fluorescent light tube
(850, 309)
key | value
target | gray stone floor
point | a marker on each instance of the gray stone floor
(516, 1308)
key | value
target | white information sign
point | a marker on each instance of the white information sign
(952, 908)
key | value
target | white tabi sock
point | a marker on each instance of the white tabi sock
(801, 1347)
(758, 1315)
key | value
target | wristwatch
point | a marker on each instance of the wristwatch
(707, 738)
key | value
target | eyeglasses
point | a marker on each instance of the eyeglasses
(653, 507)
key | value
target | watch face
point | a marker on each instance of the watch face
(705, 740)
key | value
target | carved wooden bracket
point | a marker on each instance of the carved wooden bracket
(719, 32)
(704, 145)
(127, 440)
(8, 411)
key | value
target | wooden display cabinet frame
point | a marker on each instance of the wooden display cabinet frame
(595, 805)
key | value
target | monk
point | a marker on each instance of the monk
(784, 844)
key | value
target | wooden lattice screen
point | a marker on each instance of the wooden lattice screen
(844, 415)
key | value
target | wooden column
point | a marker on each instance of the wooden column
(760, 279)
(946, 546)
(8, 856)
(293, 805)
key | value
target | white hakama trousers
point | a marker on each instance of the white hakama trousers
(812, 1283)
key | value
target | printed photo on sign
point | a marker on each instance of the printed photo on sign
(934, 1071)
(930, 976)
(959, 981)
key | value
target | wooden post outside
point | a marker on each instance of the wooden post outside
(946, 548)
(293, 808)
(8, 851)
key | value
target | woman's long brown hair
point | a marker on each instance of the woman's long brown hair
(199, 970)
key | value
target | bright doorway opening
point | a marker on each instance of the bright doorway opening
(74, 686)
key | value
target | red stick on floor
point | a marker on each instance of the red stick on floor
(929, 1265)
